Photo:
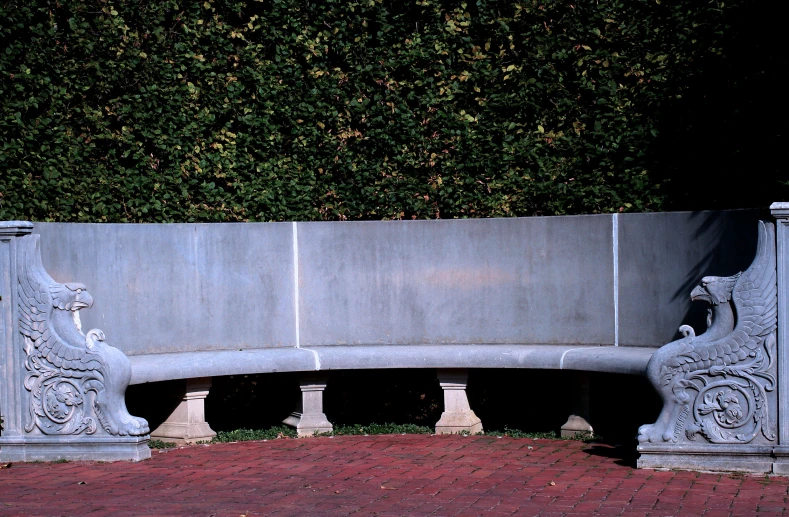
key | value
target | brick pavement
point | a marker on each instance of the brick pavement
(395, 475)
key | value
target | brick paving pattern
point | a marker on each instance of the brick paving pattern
(395, 475)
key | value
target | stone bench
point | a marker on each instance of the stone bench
(196, 301)
(187, 425)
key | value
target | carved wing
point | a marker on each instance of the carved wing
(35, 311)
(755, 300)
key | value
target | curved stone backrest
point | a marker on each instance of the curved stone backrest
(555, 280)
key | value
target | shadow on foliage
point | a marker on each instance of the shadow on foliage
(721, 144)
(532, 401)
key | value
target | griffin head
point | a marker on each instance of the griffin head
(715, 289)
(71, 297)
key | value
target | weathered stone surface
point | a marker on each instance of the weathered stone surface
(457, 416)
(531, 280)
(186, 424)
(578, 422)
(781, 213)
(576, 425)
(181, 287)
(81, 448)
(308, 418)
(509, 293)
(182, 365)
(662, 256)
(542, 280)
(12, 355)
(72, 405)
(556, 357)
(707, 457)
(718, 388)
(781, 462)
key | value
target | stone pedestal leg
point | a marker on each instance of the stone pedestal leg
(457, 416)
(578, 422)
(187, 423)
(308, 418)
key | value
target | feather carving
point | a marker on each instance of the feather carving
(46, 315)
(755, 302)
(722, 377)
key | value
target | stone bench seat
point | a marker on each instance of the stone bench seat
(452, 361)
(590, 358)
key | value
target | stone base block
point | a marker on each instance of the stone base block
(74, 449)
(183, 433)
(459, 422)
(293, 420)
(308, 418)
(577, 426)
(186, 424)
(781, 462)
(308, 425)
(457, 416)
(715, 458)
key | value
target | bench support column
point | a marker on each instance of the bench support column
(308, 418)
(187, 423)
(578, 422)
(457, 416)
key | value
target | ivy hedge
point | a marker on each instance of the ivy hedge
(242, 110)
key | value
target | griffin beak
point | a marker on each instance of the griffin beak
(84, 300)
(699, 293)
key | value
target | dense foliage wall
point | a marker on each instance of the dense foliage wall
(227, 110)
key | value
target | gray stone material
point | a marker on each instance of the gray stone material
(781, 213)
(707, 457)
(576, 425)
(662, 257)
(12, 355)
(186, 424)
(457, 416)
(540, 280)
(63, 389)
(533, 280)
(608, 359)
(556, 357)
(781, 463)
(718, 388)
(82, 448)
(308, 418)
(198, 300)
(181, 287)
(183, 365)
(578, 422)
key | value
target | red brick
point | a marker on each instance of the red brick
(421, 475)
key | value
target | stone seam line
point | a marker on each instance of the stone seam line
(615, 240)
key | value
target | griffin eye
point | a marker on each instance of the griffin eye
(79, 291)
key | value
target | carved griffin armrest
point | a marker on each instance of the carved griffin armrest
(76, 382)
(717, 387)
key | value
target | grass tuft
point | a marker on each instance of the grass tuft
(159, 444)
(246, 435)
